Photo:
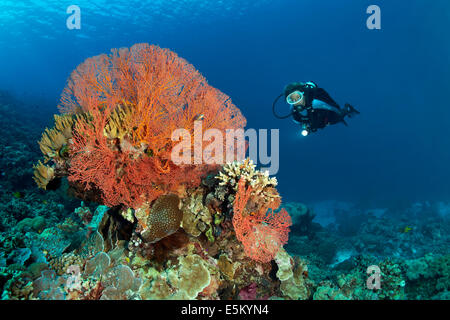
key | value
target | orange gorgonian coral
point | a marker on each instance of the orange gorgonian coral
(262, 233)
(128, 104)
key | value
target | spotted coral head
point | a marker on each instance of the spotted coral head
(164, 218)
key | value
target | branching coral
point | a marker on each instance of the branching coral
(233, 172)
(263, 187)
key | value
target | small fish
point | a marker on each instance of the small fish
(406, 229)
(199, 117)
(18, 195)
(64, 151)
(149, 152)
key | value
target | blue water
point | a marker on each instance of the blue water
(398, 149)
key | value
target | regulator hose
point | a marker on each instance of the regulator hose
(273, 109)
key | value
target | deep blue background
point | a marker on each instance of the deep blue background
(398, 148)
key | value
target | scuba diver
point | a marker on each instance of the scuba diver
(312, 107)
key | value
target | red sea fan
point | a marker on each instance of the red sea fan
(119, 177)
(164, 93)
(263, 233)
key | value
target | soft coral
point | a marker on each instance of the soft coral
(163, 92)
(262, 233)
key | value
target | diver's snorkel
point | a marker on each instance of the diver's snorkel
(295, 98)
(273, 108)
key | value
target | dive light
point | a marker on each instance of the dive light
(305, 130)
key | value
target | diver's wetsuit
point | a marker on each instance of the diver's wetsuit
(315, 98)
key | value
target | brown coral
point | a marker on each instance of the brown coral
(196, 216)
(190, 277)
(226, 266)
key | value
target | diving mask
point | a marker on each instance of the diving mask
(295, 98)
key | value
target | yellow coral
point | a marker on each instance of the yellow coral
(53, 140)
(157, 289)
(285, 265)
(190, 277)
(226, 266)
(43, 175)
(293, 276)
(64, 125)
(120, 122)
(187, 279)
(262, 185)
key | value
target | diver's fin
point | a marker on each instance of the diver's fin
(350, 110)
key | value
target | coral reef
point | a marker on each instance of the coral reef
(161, 229)
(180, 249)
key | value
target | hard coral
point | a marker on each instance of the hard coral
(263, 194)
(293, 275)
(233, 172)
(191, 277)
(196, 216)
